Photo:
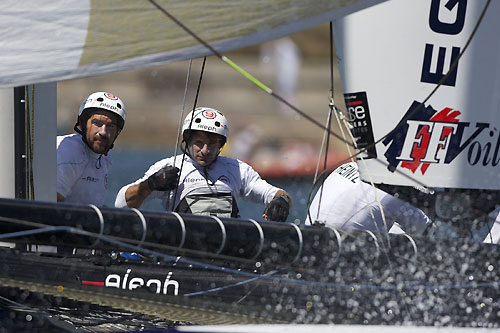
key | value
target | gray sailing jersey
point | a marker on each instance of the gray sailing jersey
(208, 191)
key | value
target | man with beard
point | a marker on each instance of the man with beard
(82, 158)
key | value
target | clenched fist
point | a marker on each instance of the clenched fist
(164, 179)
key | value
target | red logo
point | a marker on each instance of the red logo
(111, 96)
(209, 114)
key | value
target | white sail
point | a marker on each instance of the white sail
(51, 40)
(391, 63)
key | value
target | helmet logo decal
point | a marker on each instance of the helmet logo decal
(207, 120)
(111, 96)
(209, 114)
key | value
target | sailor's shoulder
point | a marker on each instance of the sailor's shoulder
(69, 141)
(348, 171)
(71, 147)
(229, 162)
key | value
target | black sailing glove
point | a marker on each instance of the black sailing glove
(278, 208)
(164, 179)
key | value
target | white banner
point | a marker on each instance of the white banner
(391, 57)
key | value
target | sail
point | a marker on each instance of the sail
(50, 40)
(390, 65)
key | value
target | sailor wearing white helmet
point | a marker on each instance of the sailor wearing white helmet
(208, 184)
(345, 202)
(82, 158)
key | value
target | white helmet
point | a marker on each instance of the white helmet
(106, 101)
(207, 120)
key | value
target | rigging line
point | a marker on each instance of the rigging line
(240, 70)
(331, 61)
(32, 149)
(258, 284)
(98, 321)
(181, 118)
(204, 292)
(322, 148)
(329, 122)
(189, 128)
(28, 148)
(332, 97)
(27, 136)
(350, 286)
(339, 116)
(183, 108)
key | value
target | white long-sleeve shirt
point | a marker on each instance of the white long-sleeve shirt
(82, 175)
(347, 203)
(224, 176)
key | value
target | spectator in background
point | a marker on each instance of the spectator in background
(284, 57)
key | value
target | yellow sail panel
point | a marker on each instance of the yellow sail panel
(52, 40)
(123, 29)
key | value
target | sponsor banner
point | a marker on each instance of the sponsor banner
(358, 115)
(392, 56)
(130, 280)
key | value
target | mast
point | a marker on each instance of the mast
(20, 181)
(42, 99)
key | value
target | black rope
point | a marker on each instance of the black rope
(189, 128)
(332, 106)
(332, 103)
